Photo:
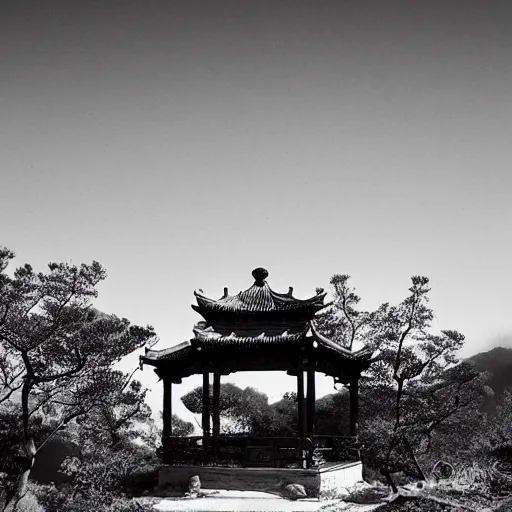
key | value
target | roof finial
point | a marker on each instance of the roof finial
(259, 274)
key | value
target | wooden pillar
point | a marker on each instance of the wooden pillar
(167, 407)
(310, 406)
(354, 405)
(216, 404)
(301, 413)
(206, 404)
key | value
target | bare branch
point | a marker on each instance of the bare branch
(8, 385)
(15, 346)
(12, 390)
(129, 378)
(64, 422)
(49, 378)
(6, 312)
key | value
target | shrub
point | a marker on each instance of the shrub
(66, 499)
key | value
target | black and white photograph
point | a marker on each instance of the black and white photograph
(255, 255)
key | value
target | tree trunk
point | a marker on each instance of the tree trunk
(21, 489)
(415, 460)
(354, 406)
(389, 480)
(394, 439)
(22, 481)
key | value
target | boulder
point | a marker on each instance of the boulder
(295, 491)
(363, 495)
(194, 486)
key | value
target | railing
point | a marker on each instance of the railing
(335, 449)
(247, 451)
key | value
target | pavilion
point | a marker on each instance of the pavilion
(259, 330)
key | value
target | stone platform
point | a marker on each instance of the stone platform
(320, 482)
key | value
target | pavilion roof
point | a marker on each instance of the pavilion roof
(259, 298)
(256, 324)
(363, 355)
(168, 354)
(214, 342)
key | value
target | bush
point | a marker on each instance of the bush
(67, 499)
(101, 479)
(417, 505)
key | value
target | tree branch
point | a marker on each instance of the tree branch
(347, 316)
(64, 422)
(12, 390)
(49, 378)
(10, 342)
(403, 336)
(25, 393)
(129, 378)
(6, 312)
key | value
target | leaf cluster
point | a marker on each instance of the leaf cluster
(237, 406)
(57, 354)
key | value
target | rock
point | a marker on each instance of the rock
(295, 491)
(366, 495)
(334, 493)
(194, 486)
(360, 486)
(342, 492)
(29, 503)
(144, 503)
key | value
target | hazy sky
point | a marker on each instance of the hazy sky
(183, 144)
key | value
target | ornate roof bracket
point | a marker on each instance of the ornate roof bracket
(363, 354)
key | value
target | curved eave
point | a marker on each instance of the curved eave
(363, 355)
(212, 338)
(222, 312)
(154, 357)
(249, 302)
(213, 314)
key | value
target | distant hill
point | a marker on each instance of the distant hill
(498, 362)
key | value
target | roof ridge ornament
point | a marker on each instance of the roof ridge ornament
(259, 274)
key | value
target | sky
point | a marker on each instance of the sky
(183, 144)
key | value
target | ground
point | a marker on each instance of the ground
(221, 500)
(256, 501)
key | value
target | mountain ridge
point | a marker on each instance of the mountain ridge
(498, 362)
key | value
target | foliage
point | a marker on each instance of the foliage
(104, 469)
(500, 434)
(278, 420)
(248, 411)
(105, 474)
(331, 414)
(497, 363)
(342, 322)
(238, 407)
(56, 356)
(413, 371)
(444, 418)
(180, 427)
(438, 420)
(53, 498)
(419, 504)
